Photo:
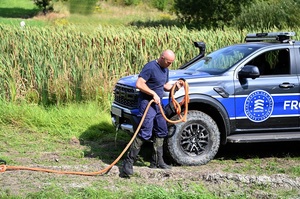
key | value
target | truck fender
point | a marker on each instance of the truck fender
(210, 106)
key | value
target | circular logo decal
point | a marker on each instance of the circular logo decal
(259, 106)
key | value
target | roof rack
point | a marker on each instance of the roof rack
(283, 37)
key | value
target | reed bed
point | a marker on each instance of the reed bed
(57, 65)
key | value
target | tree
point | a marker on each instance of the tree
(208, 14)
(269, 14)
(46, 5)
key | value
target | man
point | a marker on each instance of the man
(152, 82)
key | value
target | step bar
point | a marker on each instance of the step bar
(264, 137)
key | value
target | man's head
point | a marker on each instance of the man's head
(166, 58)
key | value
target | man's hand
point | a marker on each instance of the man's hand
(156, 98)
(179, 84)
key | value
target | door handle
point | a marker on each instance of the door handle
(286, 85)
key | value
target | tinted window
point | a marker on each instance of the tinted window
(274, 62)
(222, 59)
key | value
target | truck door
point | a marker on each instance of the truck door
(271, 101)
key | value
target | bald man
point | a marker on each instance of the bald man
(152, 82)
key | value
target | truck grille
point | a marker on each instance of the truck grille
(126, 96)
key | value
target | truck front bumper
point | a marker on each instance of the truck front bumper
(124, 119)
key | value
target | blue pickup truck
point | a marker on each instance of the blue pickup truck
(242, 93)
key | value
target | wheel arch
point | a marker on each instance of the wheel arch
(211, 107)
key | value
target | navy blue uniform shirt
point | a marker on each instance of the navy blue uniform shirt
(156, 77)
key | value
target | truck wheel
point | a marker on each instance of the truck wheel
(194, 142)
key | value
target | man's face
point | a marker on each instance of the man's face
(167, 61)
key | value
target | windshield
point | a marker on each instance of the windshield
(222, 59)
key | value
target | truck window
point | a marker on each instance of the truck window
(275, 62)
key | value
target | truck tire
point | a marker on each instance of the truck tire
(194, 142)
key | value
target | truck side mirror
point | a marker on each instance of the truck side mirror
(249, 71)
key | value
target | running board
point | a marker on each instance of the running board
(264, 137)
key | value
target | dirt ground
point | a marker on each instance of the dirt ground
(229, 174)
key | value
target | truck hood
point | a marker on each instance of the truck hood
(173, 76)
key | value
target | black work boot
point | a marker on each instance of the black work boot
(127, 168)
(157, 156)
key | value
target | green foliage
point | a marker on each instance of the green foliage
(57, 65)
(46, 5)
(295, 170)
(13, 9)
(264, 15)
(196, 191)
(208, 14)
(61, 65)
(85, 7)
(74, 119)
(131, 2)
(147, 192)
(160, 4)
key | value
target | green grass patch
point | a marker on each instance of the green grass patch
(295, 170)
(193, 190)
(16, 22)
(18, 9)
(175, 191)
(86, 120)
(262, 166)
(36, 131)
(103, 14)
(12, 12)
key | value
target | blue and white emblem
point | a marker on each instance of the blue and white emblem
(259, 106)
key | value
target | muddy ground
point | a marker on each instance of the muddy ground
(237, 169)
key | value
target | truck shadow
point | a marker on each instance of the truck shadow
(258, 150)
(103, 142)
(100, 142)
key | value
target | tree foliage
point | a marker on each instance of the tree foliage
(46, 5)
(208, 14)
(243, 14)
(265, 15)
(159, 4)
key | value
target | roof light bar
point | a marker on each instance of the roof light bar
(277, 36)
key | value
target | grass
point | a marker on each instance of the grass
(120, 15)
(17, 9)
(14, 11)
(264, 166)
(145, 193)
(30, 128)
(70, 120)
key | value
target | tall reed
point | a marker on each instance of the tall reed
(56, 65)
